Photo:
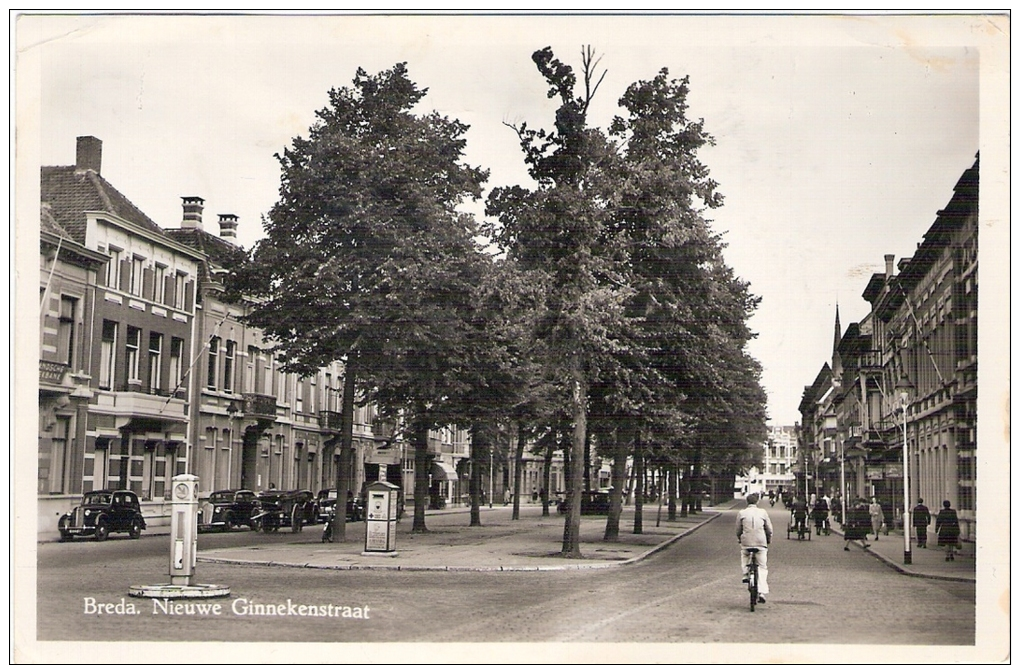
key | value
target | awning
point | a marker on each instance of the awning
(443, 471)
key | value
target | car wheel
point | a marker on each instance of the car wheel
(64, 535)
(136, 530)
(102, 531)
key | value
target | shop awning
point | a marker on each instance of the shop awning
(443, 471)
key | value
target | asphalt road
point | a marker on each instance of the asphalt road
(689, 592)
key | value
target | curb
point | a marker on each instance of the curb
(474, 569)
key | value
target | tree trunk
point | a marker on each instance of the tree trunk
(579, 406)
(518, 470)
(479, 451)
(346, 447)
(671, 506)
(696, 482)
(421, 475)
(587, 463)
(547, 476)
(639, 482)
(612, 533)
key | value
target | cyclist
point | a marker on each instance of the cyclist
(754, 529)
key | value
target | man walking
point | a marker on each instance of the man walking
(754, 530)
(921, 519)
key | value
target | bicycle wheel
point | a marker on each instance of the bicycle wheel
(752, 583)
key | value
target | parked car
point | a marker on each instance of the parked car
(325, 504)
(225, 509)
(102, 512)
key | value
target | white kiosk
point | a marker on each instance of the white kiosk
(381, 519)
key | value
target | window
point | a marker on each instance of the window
(214, 352)
(250, 385)
(137, 275)
(159, 283)
(65, 334)
(155, 350)
(267, 387)
(314, 395)
(228, 366)
(179, 290)
(327, 402)
(299, 401)
(58, 456)
(133, 340)
(113, 269)
(108, 358)
(176, 357)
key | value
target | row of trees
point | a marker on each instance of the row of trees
(607, 311)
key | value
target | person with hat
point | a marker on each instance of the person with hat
(921, 519)
(754, 530)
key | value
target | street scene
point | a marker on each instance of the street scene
(375, 331)
(678, 582)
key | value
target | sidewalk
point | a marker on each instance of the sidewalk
(531, 543)
(927, 562)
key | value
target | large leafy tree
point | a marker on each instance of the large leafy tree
(562, 229)
(366, 258)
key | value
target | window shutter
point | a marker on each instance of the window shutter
(147, 284)
(125, 275)
(168, 290)
(189, 290)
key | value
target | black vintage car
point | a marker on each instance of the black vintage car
(102, 512)
(225, 509)
(275, 509)
(325, 505)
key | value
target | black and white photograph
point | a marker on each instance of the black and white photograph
(510, 337)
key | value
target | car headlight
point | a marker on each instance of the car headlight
(87, 512)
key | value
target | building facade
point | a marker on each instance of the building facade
(147, 369)
(136, 339)
(920, 336)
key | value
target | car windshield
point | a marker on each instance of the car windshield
(221, 496)
(97, 499)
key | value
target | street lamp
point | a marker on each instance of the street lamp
(490, 475)
(904, 388)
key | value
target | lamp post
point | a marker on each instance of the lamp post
(842, 479)
(490, 475)
(904, 389)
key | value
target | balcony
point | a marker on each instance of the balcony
(261, 407)
(329, 420)
(871, 361)
(52, 373)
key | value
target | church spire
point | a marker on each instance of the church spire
(837, 362)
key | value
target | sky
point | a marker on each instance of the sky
(838, 138)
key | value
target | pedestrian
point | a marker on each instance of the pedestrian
(856, 526)
(754, 530)
(875, 513)
(506, 496)
(921, 520)
(820, 513)
(772, 497)
(798, 514)
(947, 526)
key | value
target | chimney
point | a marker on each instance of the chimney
(889, 258)
(228, 228)
(192, 212)
(90, 154)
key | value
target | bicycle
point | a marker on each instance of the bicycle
(752, 576)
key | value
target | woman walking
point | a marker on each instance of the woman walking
(856, 527)
(947, 526)
(875, 513)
